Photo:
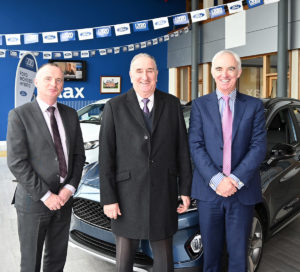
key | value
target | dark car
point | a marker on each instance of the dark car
(280, 174)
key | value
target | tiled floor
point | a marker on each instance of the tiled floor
(281, 253)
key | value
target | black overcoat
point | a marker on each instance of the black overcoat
(144, 172)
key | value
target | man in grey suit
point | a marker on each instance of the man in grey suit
(45, 153)
(144, 166)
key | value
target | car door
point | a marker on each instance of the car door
(280, 175)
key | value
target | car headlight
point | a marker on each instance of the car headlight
(91, 145)
(194, 246)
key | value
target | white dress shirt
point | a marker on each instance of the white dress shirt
(150, 103)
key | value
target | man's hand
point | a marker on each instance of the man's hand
(112, 210)
(53, 202)
(185, 204)
(227, 187)
(65, 195)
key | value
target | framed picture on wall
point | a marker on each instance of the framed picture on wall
(110, 84)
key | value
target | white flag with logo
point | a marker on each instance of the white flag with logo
(122, 29)
(160, 22)
(235, 7)
(198, 15)
(85, 34)
(47, 55)
(13, 39)
(50, 37)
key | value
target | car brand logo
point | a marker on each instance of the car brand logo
(68, 54)
(23, 93)
(235, 7)
(13, 39)
(161, 22)
(198, 15)
(50, 37)
(1, 53)
(85, 34)
(47, 55)
(122, 29)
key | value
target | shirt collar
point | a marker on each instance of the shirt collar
(44, 106)
(232, 95)
(151, 98)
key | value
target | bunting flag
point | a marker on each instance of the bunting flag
(140, 26)
(120, 29)
(50, 37)
(85, 34)
(159, 23)
(31, 38)
(181, 19)
(235, 7)
(66, 36)
(198, 15)
(254, 3)
(102, 32)
(216, 11)
(13, 39)
(2, 53)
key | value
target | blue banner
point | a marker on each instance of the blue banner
(254, 3)
(102, 32)
(181, 19)
(140, 26)
(216, 12)
(66, 36)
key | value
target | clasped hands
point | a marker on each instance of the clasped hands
(55, 202)
(227, 187)
(113, 210)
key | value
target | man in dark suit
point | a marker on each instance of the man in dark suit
(227, 140)
(45, 153)
(144, 161)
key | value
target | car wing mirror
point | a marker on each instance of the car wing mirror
(280, 152)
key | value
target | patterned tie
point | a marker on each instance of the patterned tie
(57, 143)
(227, 136)
(145, 109)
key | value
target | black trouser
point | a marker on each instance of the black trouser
(162, 254)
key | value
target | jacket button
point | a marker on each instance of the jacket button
(221, 147)
(146, 137)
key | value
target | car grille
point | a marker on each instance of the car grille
(91, 212)
(106, 248)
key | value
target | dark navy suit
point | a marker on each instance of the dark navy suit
(248, 151)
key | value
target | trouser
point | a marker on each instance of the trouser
(162, 254)
(49, 230)
(225, 219)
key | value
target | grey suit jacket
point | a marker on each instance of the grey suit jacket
(32, 158)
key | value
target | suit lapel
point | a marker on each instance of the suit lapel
(40, 121)
(212, 108)
(135, 109)
(239, 109)
(159, 103)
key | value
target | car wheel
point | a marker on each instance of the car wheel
(255, 243)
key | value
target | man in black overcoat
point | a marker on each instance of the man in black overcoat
(144, 165)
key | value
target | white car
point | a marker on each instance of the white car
(89, 117)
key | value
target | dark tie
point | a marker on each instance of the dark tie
(227, 135)
(57, 143)
(145, 109)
